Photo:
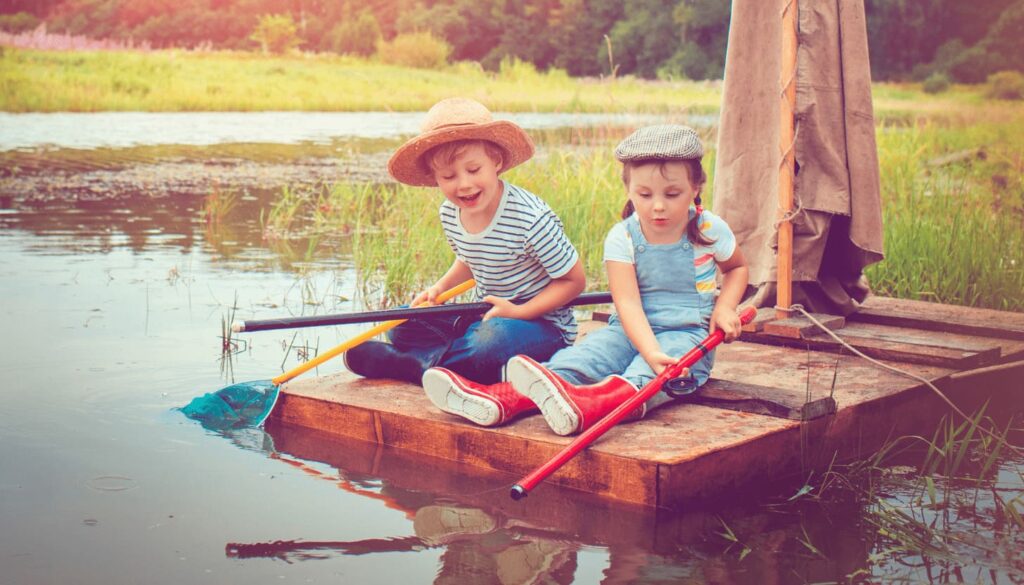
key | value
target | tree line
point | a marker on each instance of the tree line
(965, 41)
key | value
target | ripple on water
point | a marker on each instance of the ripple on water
(112, 483)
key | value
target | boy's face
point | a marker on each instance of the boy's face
(470, 181)
(662, 194)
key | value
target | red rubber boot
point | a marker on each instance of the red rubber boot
(486, 405)
(566, 407)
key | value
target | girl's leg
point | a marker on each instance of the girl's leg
(602, 353)
(674, 343)
(481, 353)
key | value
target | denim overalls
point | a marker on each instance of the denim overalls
(679, 316)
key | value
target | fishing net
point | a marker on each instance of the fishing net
(242, 405)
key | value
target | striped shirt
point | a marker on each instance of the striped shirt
(515, 257)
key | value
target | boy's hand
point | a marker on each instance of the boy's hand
(502, 308)
(728, 321)
(659, 360)
(428, 296)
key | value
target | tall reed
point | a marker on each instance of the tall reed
(954, 232)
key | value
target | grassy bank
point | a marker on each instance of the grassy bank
(954, 232)
(92, 81)
(36, 81)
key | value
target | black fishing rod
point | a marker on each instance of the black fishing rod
(595, 298)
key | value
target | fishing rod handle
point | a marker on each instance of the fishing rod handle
(522, 488)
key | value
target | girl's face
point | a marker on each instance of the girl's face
(662, 194)
(470, 181)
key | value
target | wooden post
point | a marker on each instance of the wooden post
(787, 166)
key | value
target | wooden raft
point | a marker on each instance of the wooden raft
(684, 450)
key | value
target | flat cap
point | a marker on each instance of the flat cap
(661, 142)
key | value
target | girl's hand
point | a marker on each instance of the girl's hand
(428, 296)
(728, 321)
(502, 308)
(659, 360)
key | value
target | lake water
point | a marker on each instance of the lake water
(112, 318)
(122, 129)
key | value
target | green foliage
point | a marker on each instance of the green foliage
(1006, 85)
(356, 35)
(18, 22)
(936, 83)
(645, 38)
(276, 33)
(583, 26)
(670, 39)
(701, 52)
(966, 41)
(1004, 42)
(421, 50)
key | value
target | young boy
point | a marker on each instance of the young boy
(505, 238)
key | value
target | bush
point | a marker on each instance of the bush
(1006, 85)
(18, 23)
(936, 83)
(422, 50)
(276, 33)
(972, 66)
(355, 36)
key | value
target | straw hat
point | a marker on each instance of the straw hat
(458, 119)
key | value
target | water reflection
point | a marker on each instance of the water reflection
(487, 538)
(123, 129)
(146, 225)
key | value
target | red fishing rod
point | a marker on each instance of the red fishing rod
(521, 489)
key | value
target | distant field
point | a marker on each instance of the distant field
(91, 81)
(35, 81)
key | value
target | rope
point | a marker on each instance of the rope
(789, 215)
(933, 387)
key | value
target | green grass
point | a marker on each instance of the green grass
(89, 81)
(177, 80)
(953, 233)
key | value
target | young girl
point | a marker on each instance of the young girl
(661, 261)
(503, 236)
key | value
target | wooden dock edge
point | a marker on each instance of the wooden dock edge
(855, 431)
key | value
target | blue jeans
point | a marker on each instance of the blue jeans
(608, 351)
(476, 349)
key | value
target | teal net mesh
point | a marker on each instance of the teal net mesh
(242, 405)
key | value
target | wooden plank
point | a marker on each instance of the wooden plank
(754, 399)
(799, 326)
(884, 349)
(940, 317)
(917, 337)
(764, 315)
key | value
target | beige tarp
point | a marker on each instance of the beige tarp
(838, 223)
